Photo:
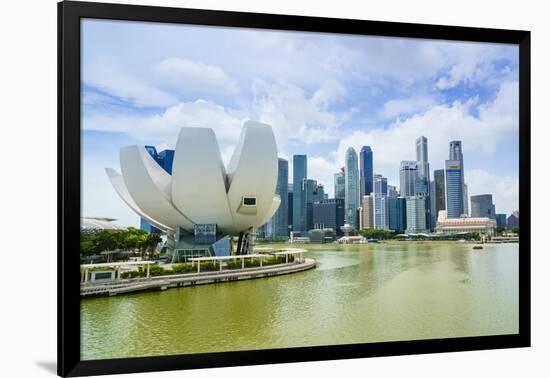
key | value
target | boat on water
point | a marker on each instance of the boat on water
(477, 247)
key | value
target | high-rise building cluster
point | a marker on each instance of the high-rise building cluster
(364, 199)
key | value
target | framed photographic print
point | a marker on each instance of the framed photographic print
(253, 188)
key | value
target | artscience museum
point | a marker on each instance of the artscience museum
(203, 204)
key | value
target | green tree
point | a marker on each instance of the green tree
(106, 241)
(473, 236)
(87, 248)
(515, 230)
(375, 233)
(151, 242)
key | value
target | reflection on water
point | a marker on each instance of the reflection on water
(358, 294)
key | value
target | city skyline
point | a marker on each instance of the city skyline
(340, 91)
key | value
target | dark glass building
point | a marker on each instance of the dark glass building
(146, 226)
(366, 172)
(313, 192)
(166, 160)
(482, 206)
(290, 204)
(501, 220)
(205, 233)
(397, 214)
(299, 165)
(439, 191)
(277, 226)
(329, 213)
(153, 152)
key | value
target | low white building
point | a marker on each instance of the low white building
(482, 225)
(358, 239)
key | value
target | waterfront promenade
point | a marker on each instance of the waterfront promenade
(116, 287)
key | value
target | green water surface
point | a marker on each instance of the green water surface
(357, 294)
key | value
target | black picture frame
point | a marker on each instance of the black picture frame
(69, 15)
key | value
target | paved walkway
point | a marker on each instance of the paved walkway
(123, 286)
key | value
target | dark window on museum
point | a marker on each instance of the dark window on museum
(249, 201)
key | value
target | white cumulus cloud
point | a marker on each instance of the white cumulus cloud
(188, 75)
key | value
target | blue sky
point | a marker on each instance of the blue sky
(321, 93)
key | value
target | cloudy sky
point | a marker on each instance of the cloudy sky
(321, 93)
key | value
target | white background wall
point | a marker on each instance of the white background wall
(28, 186)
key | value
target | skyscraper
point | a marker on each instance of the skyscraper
(340, 184)
(397, 214)
(501, 220)
(278, 227)
(299, 165)
(312, 192)
(455, 153)
(380, 202)
(290, 205)
(424, 176)
(151, 150)
(407, 178)
(366, 172)
(422, 157)
(352, 187)
(329, 213)
(465, 196)
(513, 220)
(367, 212)
(416, 219)
(166, 160)
(455, 197)
(482, 206)
(392, 191)
(439, 191)
(455, 150)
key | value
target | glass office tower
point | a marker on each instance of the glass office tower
(352, 187)
(299, 166)
(365, 171)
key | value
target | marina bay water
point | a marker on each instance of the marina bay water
(357, 294)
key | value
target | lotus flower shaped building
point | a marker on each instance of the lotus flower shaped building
(201, 190)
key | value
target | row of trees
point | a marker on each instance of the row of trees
(133, 240)
(377, 233)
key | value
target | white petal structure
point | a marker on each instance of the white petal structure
(198, 178)
(200, 191)
(252, 173)
(118, 183)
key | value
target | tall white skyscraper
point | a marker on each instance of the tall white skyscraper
(422, 157)
(424, 175)
(352, 187)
